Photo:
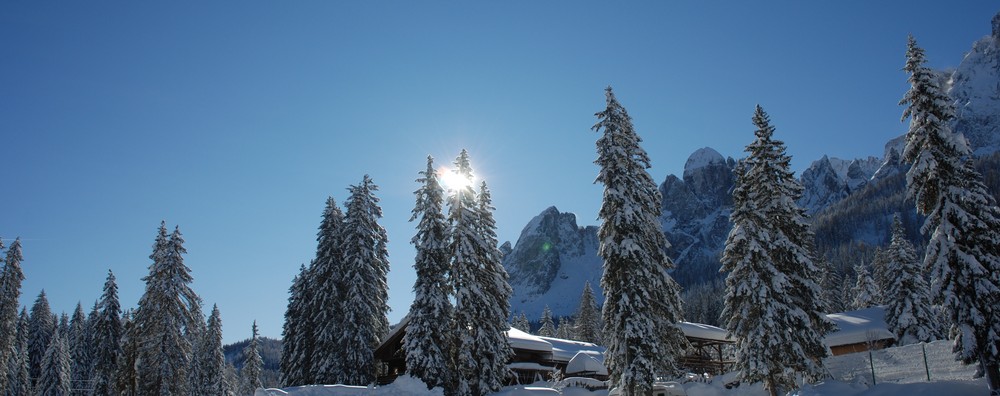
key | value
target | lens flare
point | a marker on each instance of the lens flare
(452, 181)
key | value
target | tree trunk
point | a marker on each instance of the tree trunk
(771, 387)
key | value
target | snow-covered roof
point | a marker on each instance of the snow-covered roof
(564, 350)
(708, 332)
(858, 326)
(529, 366)
(521, 340)
(585, 362)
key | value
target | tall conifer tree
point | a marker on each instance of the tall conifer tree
(366, 267)
(164, 312)
(297, 343)
(428, 339)
(963, 220)
(480, 286)
(772, 283)
(41, 327)
(108, 332)
(55, 377)
(642, 302)
(865, 291)
(10, 294)
(908, 312)
(212, 361)
(548, 326)
(588, 318)
(79, 352)
(18, 381)
(320, 351)
(253, 365)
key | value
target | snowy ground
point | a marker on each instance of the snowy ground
(898, 372)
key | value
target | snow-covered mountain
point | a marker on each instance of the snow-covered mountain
(975, 88)
(550, 264)
(829, 180)
(554, 257)
(695, 214)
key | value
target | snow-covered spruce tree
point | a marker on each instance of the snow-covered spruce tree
(428, 338)
(588, 318)
(772, 282)
(491, 339)
(565, 328)
(319, 351)
(18, 382)
(963, 220)
(865, 291)
(642, 302)
(521, 323)
(211, 361)
(55, 378)
(126, 377)
(10, 294)
(41, 327)
(164, 311)
(365, 302)
(882, 277)
(253, 365)
(195, 332)
(908, 304)
(548, 327)
(79, 352)
(296, 348)
(107, 338)
(480, 287)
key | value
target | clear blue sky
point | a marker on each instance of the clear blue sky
(235, 120)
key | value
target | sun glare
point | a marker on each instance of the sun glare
(452, 181)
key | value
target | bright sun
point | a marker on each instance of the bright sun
(452, 181)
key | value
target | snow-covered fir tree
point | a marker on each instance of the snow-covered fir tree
(881, 276)
(63, 324)
(963, 220)
(318, 344)
(18, 381)
(521, 323)
(588, 317)
(10, 293)
(548, 326)
(642, 301)
(55, 377)
(126, 377)
(253, 365)
(195, 333)
(428, 339)
(865, 291)
(79, 352)
(565, 329)
(297, 342)
(107, 338)
(365, 303)
(831, 281)
(480, 287)
(211, 361)
(42, 326)
(908, 312)
(772, 282)
(164, 311)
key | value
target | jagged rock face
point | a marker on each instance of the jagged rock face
(695, 215)
(550, 263)
(975, 88)
(829, 180)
